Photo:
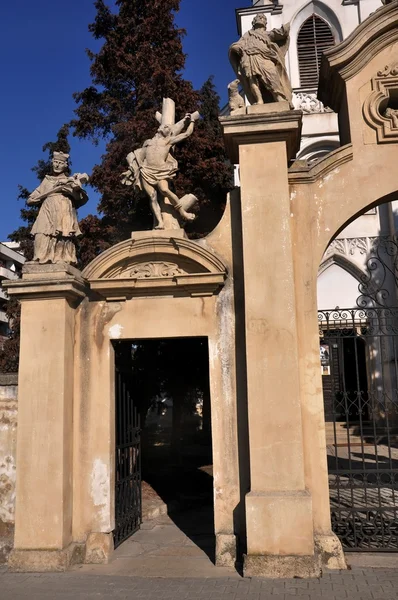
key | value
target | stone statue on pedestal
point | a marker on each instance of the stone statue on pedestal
(258, 60)
(56, 226)
(152, 167)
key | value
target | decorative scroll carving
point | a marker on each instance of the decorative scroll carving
(378, 112)
(156, 269)
(309, 103)
(388, 71)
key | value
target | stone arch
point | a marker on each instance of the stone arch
(317, 150)
(324, 12)
(156, 264)
(344, 263)
(342, 221)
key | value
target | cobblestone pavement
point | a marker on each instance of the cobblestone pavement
(357, 584)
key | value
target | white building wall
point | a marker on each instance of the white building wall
(11, 262)
(336, 288)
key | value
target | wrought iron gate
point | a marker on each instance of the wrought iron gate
(128, 503)
(359, 358)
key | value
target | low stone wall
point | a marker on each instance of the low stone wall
(8, 440)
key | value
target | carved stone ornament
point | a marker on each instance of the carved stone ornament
(378, 110)
(308, 103)
(349, 246)
(156, 269)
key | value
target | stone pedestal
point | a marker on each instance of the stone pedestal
(280, 536)
(43, 525)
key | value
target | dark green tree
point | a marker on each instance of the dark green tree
(140, 62)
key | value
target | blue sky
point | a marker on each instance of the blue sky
(43, 61)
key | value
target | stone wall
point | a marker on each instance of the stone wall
(8, 440)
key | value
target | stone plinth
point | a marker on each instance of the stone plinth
(43, 523)
(280, 536)
(263, 124)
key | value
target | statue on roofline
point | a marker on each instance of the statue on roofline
(56, 226)
(258, 60)
(152, 167)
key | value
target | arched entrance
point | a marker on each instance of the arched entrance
(359, 351)
(157, 289)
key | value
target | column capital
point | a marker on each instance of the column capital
(48, 281)
(263, 124)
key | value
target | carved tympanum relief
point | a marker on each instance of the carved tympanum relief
(155, 265)
(156, 269)
(381, 107)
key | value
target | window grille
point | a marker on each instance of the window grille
(314, 38)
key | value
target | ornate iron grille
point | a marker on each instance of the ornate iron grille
(128, 509)
(359, 356)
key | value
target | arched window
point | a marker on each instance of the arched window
(315, 36)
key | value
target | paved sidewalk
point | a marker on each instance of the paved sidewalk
(358, 584)
(171, 559)
(181, 546)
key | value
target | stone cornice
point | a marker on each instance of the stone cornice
(48, 281)
(199, 284)
(345, 60)
(261, 128)
(39, 289)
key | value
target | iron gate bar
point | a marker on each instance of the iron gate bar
(361, 408)
(128, 500)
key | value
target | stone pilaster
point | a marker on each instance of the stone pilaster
(280, 536)
(43, 525)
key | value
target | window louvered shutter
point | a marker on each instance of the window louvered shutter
(314, 38)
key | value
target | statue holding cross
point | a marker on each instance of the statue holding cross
(152, 167)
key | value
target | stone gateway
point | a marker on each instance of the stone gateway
(250, 289)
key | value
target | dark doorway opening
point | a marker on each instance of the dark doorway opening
(168, 388)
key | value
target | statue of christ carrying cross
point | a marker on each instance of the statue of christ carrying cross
(152, 167)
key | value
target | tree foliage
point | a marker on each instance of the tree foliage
(140, 62)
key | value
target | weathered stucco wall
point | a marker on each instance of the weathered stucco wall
(8, 440)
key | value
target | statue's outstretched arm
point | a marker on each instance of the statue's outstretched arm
(189, 118)
(280, 34)
(183, 136)
(180, 126)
